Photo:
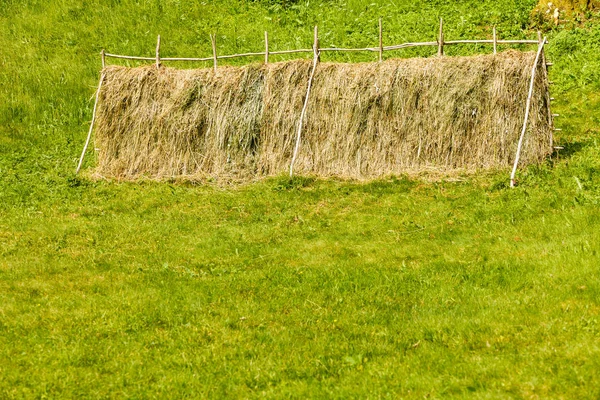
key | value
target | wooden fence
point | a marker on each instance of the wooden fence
(439, 43)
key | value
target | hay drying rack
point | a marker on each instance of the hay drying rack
(316, 50)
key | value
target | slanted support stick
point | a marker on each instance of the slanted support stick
(495, 41)
(266, 47)
(441, 39)
(380, 41)
(303, 113)
(527, 110)
(213, 41)
(158, 52)
(103, 58)
(87, 141)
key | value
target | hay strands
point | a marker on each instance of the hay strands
(352, 125)
(527, 110)
(247, 114)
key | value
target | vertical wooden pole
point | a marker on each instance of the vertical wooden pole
(266, 47)
(316, 52)
(380, 41)
(103, 57)
(213, 40)
(441, 39)
(158, 52)
(548, 98)
(495, 41)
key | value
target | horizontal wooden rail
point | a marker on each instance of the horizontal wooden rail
(407, 45)
(346, 49)
(129, 57)
(490, 41)
(186, 59)
(291, 51)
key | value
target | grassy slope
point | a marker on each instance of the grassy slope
(302, 288)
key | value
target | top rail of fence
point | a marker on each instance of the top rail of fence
(439, 43)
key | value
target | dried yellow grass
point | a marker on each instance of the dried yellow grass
(363, 120)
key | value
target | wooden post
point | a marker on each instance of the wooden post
(87, 141)
(213, 40)
(316, 52)
(548, 98)
(380, 41)
(441, 39)
(103, 57)
(527, 110)
(495, 41)
(266, 47)
(158, 52)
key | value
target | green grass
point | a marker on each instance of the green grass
(303, 288)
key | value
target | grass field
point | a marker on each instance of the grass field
(298, 288)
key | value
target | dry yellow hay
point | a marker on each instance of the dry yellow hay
(363, 120)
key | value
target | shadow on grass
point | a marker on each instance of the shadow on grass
(568, 149)
(387, 184)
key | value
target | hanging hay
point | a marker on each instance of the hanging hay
(363, 120)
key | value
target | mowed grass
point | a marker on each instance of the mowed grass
(309, 289)
(401, 287)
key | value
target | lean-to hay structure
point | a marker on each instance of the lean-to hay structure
(363, 120)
